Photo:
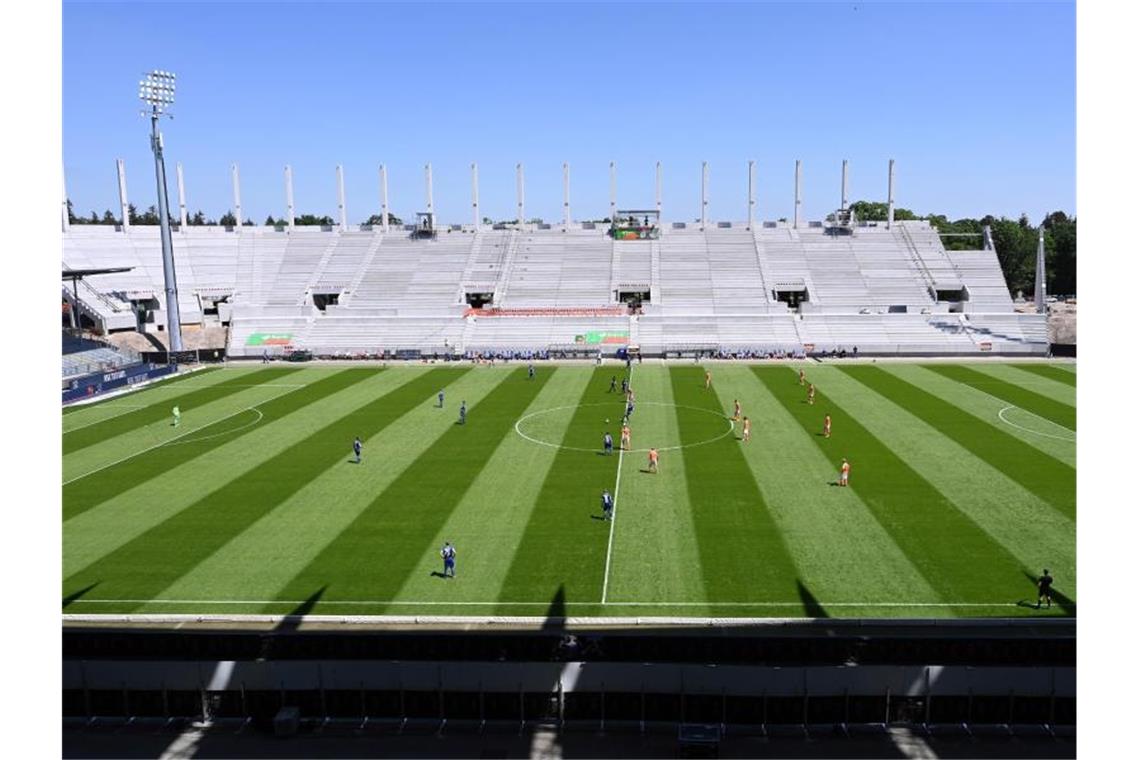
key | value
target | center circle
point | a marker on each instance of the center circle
(536, 436)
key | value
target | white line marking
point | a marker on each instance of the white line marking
(396, 602)
(540, 442)
(253, 409)
(613, 512)
(1001, 416)
(172, 440)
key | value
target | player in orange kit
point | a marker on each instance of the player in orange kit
(708, 380)
(802, 379)
(811, 393)
(827, 426)
(844, 471)
(653, 460)
(625, 437)
(747, 430)
(736, 410)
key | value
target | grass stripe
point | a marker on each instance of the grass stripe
(154, 560)
(743, 555)
(1032, 531)
(1054, 411)
(99, 531)
(654, 511)
(87, 492)
(958, 559)
(124, 423)
(1042, 386)
(1031, 430)
(160, 384)
(561, 555)
(1050, 371)
(1038, 473)
(828, 531)
(401, 522)
(487, 530)
(261, 560)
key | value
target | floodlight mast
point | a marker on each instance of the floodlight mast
(157, 91)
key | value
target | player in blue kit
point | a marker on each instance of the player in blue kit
(608, 443)
(628, 409)
(607, 505)
(448, 555)
(462, 412)
(356, 447)
(441, 399)
(530, 371)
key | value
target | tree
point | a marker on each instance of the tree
(198, 220)
(377, 220)
(132, 213)
(248, 222)
(271, 222)
(228, 220)
(311, 220)
(1060, 253)
(109, 218)
(94, 218)
(150, 216)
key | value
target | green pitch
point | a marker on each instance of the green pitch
(963, 487)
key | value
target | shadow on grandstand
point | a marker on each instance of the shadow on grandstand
(812, 607)
(293, 620)
(1067, 605)
(77, 594)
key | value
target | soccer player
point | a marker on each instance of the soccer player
(530, 372)
(708, 380)
(811, 393)
(653, 460)
(625, 386)
(1045, 589)
(356, 447)
(608, 443)
(736, 410)
(448, 555)
(177, 416)
(802, 378)
(628, 409)
(747, 430)
(613, 384)
(441, 399)
(625, 436)
(827, 426)
(607, 505)
(844, 471)
(463, 412)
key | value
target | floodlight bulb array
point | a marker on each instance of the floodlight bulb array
(157, 89)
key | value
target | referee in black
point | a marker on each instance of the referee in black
(1045, 589)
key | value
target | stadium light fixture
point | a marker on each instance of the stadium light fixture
(156, 89)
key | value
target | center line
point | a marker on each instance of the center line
(613, 512)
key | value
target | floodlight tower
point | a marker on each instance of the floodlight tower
(157, 91)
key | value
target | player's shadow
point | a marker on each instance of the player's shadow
(812, 607)
(1067, 605)
(77, 594)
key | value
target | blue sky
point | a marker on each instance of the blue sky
(976, 102)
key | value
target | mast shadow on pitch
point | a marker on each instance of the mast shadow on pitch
(812, 607)
(292, 621)
(77, 594)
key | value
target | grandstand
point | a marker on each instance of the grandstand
(887, 289)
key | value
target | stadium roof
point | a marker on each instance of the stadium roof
(71, 274)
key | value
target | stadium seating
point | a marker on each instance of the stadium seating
(714, 288)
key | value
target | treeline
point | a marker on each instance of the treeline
(1015, 241)
(199, 219)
